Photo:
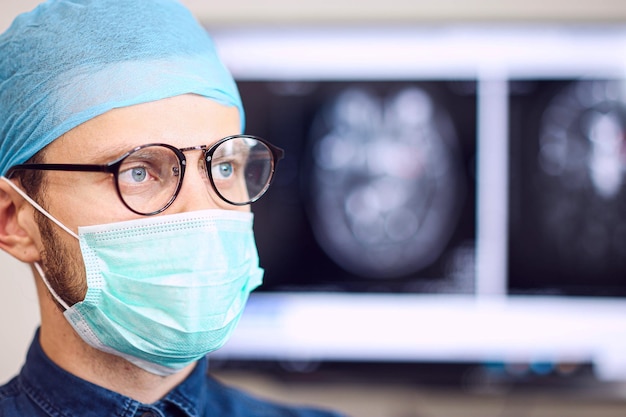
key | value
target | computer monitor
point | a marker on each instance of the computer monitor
(450, 194)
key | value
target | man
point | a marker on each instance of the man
(126, 184)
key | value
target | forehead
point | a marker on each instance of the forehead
(181, 121)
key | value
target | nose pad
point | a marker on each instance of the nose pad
(203, 171)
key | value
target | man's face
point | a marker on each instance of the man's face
(86, 198)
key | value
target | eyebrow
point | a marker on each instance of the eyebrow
(112, 153)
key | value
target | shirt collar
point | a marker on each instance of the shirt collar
(61, 393)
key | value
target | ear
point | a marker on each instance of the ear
(18, 230)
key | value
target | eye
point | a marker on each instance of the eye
(138, 174)
(134, 175)
(223, 170)
(147, 165)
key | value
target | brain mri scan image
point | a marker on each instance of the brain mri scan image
(377, 189)
(568, 212)
(386, 185)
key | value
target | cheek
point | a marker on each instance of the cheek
(88, 204)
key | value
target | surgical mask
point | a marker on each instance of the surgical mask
(163, 291)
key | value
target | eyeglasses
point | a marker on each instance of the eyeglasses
(148, 178)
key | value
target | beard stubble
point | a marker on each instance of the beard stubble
(63, 268)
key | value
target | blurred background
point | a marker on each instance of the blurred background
(447, 234)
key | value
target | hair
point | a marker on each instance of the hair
(33, 180)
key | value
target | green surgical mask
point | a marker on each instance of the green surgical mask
(164, 291)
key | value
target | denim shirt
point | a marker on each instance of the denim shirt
(44, 389)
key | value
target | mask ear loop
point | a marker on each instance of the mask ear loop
(38, 207)
(47, 283)
(58, 223)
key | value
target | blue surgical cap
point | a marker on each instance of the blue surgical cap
(69, 61)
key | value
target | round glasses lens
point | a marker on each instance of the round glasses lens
(241, 169)
(148, 178)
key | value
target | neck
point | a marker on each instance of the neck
(66, 349)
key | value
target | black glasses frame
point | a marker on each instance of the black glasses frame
(113, 168)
